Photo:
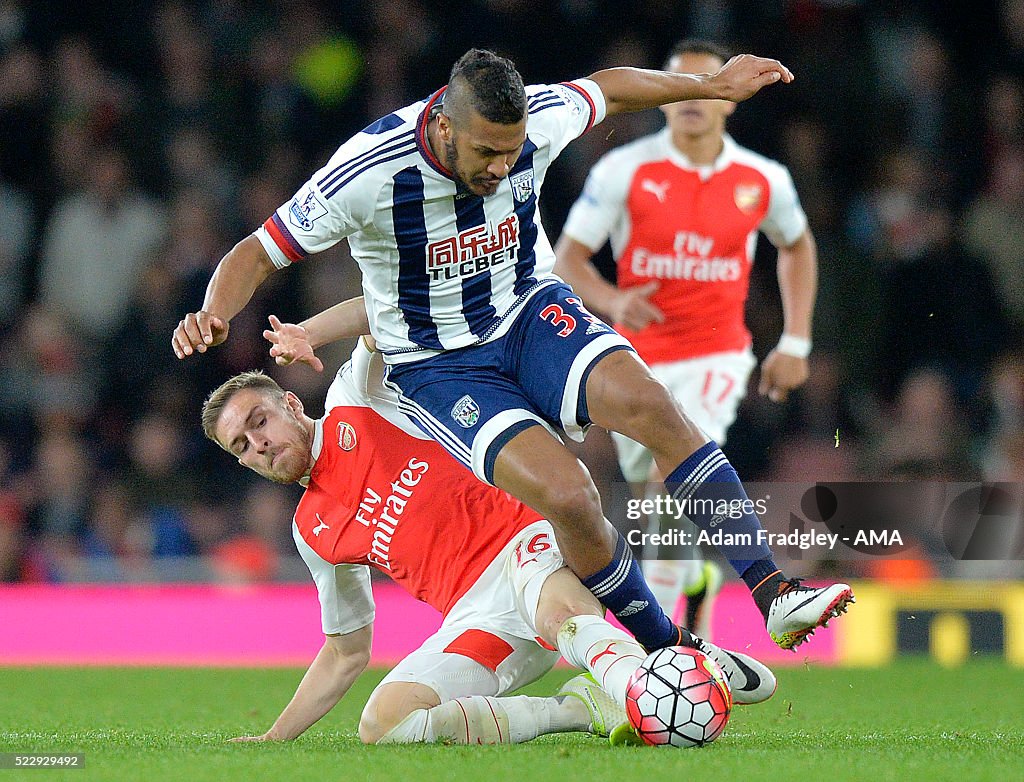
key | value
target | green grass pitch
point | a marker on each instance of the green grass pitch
(912, 721)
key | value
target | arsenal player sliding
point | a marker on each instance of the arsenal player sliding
(380, 495)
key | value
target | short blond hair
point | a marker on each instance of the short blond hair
(220, 396)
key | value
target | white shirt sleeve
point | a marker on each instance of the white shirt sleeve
(564, 112)
(313, 220)
(785, 220)
(346, 599)
(601, 205)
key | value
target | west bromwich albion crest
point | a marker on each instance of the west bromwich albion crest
(522, 185)
(466, 412)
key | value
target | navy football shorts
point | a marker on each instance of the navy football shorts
(475, 399)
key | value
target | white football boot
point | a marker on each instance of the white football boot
(750, 681)
(798, 610)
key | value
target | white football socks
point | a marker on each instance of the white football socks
(479, 719)
(610, 654)
(670, 578)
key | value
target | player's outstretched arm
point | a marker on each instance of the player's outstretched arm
(634, 89)
(340, 660)
(235, 279)
(346, 319)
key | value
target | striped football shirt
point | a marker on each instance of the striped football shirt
(442, 268)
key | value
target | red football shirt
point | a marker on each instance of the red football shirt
(693, 229)
(378, 496)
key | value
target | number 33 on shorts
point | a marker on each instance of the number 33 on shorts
(566, 323)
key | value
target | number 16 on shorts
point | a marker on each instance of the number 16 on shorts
(532, 549)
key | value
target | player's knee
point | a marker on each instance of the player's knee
(369, 732)
(573, 502)
(389, 704)
(551, 623)
(563, 597)
(373, 725)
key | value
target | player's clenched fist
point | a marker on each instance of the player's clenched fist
(196, 332)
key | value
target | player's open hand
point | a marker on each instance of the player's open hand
(198, 331)
(290, 343)
(239, 739)
(745, 74)
(633, 309)
(780, 374)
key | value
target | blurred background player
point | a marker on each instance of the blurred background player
(682, 209)
(377, 496)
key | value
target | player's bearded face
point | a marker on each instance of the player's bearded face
(267, 434)
(482, 153)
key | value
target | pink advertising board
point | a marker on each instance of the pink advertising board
(256, 625)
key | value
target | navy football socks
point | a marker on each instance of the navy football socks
(621, 588)
(711, 495)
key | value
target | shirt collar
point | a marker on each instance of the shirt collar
(724, 159)
(315, 448)
(435, 101)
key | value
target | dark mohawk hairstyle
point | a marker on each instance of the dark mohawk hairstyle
(490, 84)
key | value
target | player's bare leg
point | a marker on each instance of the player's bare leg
(541, 472)
(623, 395)
(538, 470)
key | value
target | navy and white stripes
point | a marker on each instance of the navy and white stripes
(526, 263)
(398, 146)
(620, 587)
(705, 468)
(709, 489)
(411, 239)
(619, 572)
(442, 268)
(476, 290)
(544, 99)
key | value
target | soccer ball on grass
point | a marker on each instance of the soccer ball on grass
(678, 697)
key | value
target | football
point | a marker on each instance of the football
(678, 697)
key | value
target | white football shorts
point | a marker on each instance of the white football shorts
(488, 644)
(709, 388)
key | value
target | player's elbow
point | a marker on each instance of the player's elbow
(803, 250)
(249, 257)
(356, 663)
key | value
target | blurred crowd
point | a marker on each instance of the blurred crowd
(139, 141)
